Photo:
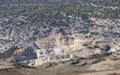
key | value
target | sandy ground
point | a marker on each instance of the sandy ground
(10, 73)
(5, 67)
(8, 70)
(61, 69)
(117, 72)
(70, 70)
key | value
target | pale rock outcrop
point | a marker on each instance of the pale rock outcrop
(57, 47)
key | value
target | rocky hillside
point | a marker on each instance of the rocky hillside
(34, 32)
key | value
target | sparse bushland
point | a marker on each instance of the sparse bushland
(100, 57)
(48, 10)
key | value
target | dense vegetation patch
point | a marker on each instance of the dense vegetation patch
(48, 9)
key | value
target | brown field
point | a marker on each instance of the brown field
(61, 69)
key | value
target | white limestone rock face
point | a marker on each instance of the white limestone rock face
(76, 46)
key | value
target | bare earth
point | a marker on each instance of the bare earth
(115, 72)
(54, 71)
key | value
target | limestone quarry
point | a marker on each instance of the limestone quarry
(57, 47)
(83, 35)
